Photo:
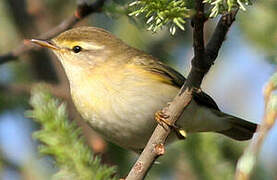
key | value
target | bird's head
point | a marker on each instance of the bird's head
(84, 46)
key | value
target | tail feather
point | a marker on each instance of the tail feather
(240, 129)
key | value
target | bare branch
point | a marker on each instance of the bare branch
(201, 63)
(248, 160)
(213, 46)
(19, 89)
(82, 11)
(198, 27)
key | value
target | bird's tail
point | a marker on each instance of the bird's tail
(240, 129)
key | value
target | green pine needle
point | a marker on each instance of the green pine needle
(63, 140)
(159, 13)
(223, 6)
(174, 13)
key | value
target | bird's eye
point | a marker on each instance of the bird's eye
(77, 49)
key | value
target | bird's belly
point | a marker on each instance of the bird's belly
(124, 115)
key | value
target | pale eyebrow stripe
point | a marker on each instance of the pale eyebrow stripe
(84, 45)
(91, 46)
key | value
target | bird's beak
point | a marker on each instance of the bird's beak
(44, 43)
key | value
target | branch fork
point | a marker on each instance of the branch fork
(204, 57)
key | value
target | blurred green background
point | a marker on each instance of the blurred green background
(244, 65)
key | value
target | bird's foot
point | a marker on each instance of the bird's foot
(162, 120)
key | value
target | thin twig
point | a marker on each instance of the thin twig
(6, 162)
(19, 89)
(248, 160)
(82, 11)
(201, 64)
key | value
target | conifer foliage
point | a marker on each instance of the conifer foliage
(63, 140)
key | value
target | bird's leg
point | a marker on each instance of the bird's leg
(161, 118)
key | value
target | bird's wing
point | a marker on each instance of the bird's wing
(155, 66)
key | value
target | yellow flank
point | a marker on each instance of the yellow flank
(150, 75)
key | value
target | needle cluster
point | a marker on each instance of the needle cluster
(63, 140)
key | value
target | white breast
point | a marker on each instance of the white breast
(120, 103)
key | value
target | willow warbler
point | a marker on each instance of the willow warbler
(117, 89)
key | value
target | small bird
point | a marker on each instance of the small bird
(117, 89)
